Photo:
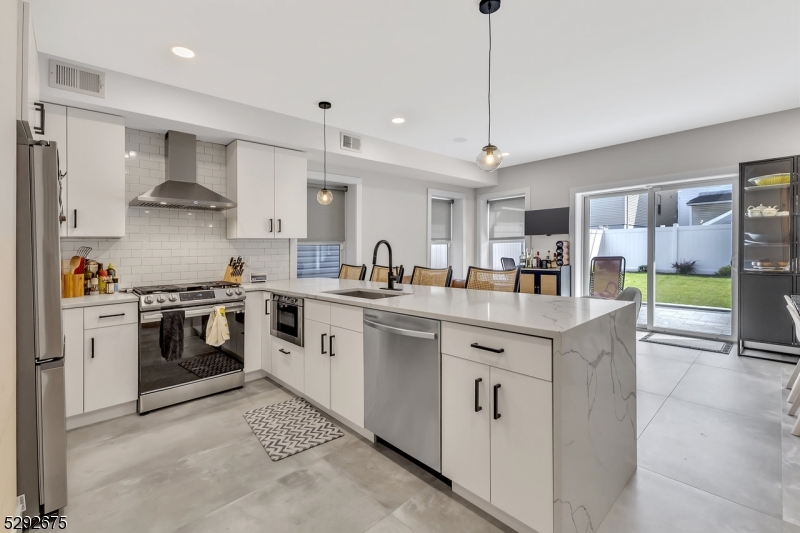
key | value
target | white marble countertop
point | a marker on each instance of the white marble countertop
(99, 299)
(529, 314)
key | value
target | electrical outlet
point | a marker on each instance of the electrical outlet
(21, 507)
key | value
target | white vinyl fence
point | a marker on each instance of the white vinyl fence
(710, 246)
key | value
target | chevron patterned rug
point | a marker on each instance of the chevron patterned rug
(290, 427)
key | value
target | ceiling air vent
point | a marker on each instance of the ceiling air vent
(349, 142)
(77, 79)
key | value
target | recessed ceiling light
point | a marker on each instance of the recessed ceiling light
(180, 51)
(505, 154)
(398, 120)
(460, 140)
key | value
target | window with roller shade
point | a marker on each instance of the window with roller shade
(506, 229)
(441, 232)
(319, 254)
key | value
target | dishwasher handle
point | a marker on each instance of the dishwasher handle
(402, 331)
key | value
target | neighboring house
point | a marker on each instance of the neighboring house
(694, 194)
(630, 211)
(712, 208)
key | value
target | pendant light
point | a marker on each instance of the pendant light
(325, 196)
(490, 157)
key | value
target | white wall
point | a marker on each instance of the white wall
(173, 246)
(722, 146)
(396, 209)
(8, 224)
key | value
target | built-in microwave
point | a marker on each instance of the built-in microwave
(287, 319)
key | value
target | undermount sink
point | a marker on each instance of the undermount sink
(367, 295)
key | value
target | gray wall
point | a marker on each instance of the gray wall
(712, 147)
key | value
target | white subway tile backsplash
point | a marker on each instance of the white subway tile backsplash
(171, 246)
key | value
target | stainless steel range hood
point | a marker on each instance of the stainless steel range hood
(181, 190)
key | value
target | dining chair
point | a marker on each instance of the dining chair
(484, 279)
(352, 272)
(381, 273)
(607, 276)
(793, 311)
(507, 263)
(794, 384)
(432, 277)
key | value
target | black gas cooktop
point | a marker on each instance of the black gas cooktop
(183, 287)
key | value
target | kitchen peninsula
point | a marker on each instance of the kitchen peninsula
(557, 452)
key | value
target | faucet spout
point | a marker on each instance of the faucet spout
(390, 277)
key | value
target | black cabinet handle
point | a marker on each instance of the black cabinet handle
(74, 218)
(266, 307)
(322, 343)
(330, 345)
(270, 225)
(111, 316)
(284, 351)
(496, 411)
(92, 347)
(280, 226)
(477, 395)
(486, 348)
(38, 106)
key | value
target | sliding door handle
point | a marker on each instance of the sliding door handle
(322, 343)
(478, 395)
(496, 409)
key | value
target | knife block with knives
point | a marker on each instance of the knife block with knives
(234, 270)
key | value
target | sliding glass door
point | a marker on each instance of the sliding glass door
(677, 243)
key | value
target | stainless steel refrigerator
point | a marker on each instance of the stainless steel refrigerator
(41, 414)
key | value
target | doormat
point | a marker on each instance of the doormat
(688, 342)
(212, 364)
(290, 427)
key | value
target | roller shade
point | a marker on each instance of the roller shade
(325, 222)
(507, 218)
(441, 219)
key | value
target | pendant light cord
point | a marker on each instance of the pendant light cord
(489, 96)
(325, 148)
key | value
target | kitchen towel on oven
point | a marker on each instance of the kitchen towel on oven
(170, 336)
(217, 329)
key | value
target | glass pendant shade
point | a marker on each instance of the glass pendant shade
(324, 197)
(490, 158)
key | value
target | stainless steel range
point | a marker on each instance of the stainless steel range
(175, 362)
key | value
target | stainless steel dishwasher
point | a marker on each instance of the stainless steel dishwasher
(402, 383)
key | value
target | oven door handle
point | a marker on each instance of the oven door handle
(156, 317)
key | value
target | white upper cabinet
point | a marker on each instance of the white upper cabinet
(95, 163)
(251, 184)
(291, 197)
(268, 185)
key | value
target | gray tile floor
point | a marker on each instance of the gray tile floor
(715, 454)
(708, 322)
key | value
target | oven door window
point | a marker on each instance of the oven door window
(193, 361)
(288, 320)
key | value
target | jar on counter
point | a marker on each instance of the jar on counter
(115, 284)
(94, 286)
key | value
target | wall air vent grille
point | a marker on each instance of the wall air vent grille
(77, 79)
(349, 142)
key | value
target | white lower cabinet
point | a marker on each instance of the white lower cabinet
(288, 362)
(253, 309)
(503, 451)
(266, 338)
(466, 418)
(347, 373)
(318, 362)
(522, 448)
(110, 366)
(72, 320)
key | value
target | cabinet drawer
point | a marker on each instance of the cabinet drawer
(531, 356)
(317, 311)
(347, 317)
(101, 316)
(288, 363)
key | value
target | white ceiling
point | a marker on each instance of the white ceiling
(568, 75)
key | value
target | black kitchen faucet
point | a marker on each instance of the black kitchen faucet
(390, 277)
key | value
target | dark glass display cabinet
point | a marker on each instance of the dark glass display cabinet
(768, 256)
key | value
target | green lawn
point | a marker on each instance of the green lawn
(710, 291)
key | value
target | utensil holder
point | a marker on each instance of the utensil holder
(77, 285)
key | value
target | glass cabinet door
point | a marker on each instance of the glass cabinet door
(768, 215)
